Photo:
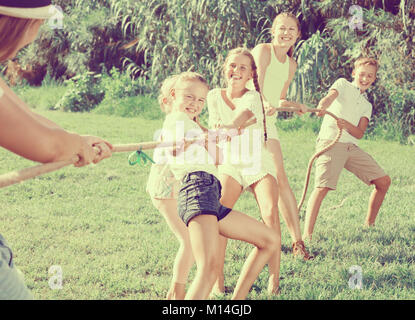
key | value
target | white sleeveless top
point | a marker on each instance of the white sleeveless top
(275, 77)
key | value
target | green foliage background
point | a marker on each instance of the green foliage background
(149, 40)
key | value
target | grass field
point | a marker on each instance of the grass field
(98, 226)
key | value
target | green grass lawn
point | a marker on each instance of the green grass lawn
(98, 225)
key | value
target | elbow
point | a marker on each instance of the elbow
(360, 135)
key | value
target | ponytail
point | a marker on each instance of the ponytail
(256, 84)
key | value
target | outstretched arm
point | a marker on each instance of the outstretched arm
(39, 139)
(283, 98)
(327, 101)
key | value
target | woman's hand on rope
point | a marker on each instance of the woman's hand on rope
(87, 153)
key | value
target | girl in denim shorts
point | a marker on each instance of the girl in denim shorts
(163, 189)
(194, 164)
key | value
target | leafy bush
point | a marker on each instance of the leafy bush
(83, 93)
(118, 85)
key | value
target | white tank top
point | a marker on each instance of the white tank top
(275, 77)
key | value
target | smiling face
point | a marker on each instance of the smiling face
(189, 96)
(238, 70)
(364, 76)
(285, 31)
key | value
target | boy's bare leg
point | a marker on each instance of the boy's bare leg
(313, 208)
(376, 199)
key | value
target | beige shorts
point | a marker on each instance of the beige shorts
(161, 183)
(344, 155)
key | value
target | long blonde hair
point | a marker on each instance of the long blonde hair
(247, 53)
(286, 15)
(12, 31)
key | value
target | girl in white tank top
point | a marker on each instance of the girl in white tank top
(276, 69)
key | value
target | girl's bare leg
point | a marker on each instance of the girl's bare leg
(184, 257)
(239, 226)
(231, 191)
(376, 199)
(266, 195)
(204, 237)
(287, 202)
(219, 286)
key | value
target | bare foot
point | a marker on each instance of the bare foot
(273, 285)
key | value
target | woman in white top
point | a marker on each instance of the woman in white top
(247, 163)
(276, 69)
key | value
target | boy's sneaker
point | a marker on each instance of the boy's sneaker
(299, 250)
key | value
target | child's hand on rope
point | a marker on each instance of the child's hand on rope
(303, 109)
(341, 124)
(269, 109)
(322, 111)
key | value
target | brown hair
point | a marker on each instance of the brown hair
(12, 31)
(246, 52)
(286, 15)
(366, 61)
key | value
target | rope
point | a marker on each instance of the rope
(14, 177)
(315, 155)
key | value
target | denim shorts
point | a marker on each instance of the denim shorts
(200, 194)
(12, 285)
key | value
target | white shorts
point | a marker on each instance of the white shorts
(161, 183)
(246, 175)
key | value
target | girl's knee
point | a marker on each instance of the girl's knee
(269, 211)
(272, 240)
(210, 269)
(282, 179)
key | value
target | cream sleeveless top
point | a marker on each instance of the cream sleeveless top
(275, 77)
